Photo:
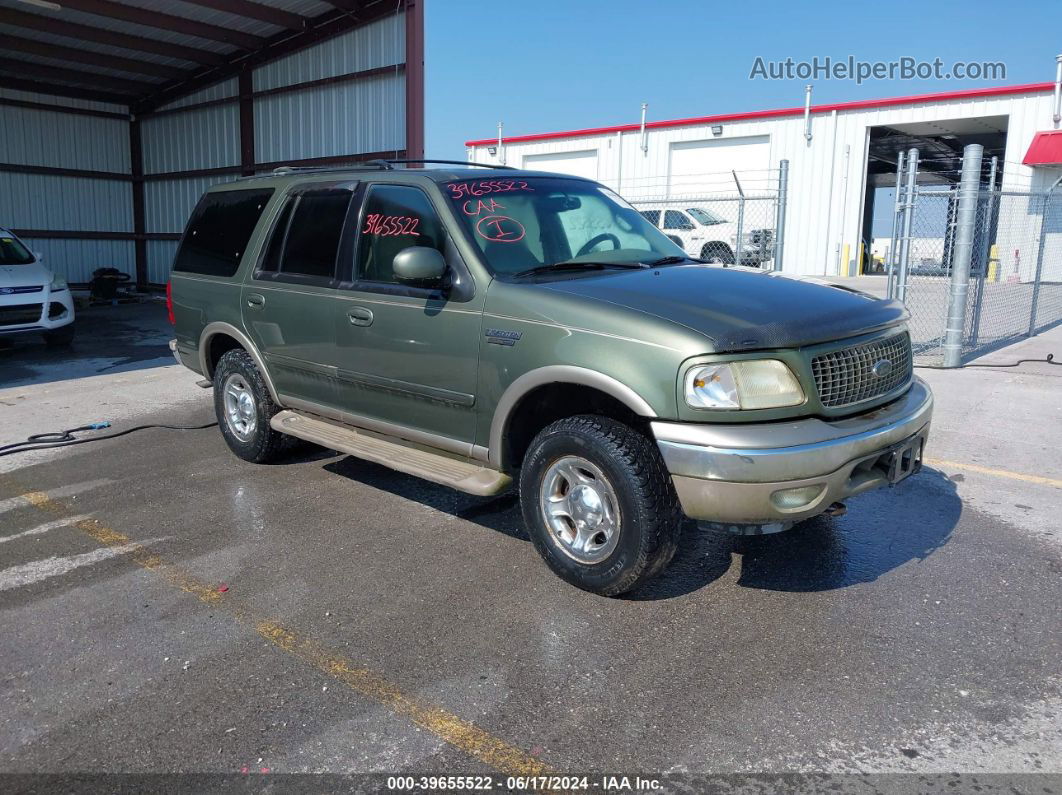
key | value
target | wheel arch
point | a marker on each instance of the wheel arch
(560, 376)
(211, 334)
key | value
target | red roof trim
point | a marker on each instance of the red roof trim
(975, 93)
(1045, 149)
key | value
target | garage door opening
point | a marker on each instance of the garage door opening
(939, 145)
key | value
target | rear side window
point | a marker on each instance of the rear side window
(307, 235)
(219, 230)
(652, 216)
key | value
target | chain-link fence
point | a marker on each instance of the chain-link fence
(977, 266)
(728, 217)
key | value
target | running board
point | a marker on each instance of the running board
(439, 468)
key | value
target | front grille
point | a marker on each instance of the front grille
(20, 314)
(847, 377)
(35, 288)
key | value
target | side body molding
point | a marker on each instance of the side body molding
(212, 330)
(556, 374)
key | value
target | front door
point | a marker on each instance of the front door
(290, 300)
(407, 354)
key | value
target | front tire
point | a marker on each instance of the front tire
(599, 504)
(244, 408)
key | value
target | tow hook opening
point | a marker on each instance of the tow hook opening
(836, 509)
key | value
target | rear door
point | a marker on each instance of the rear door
(407, 354)
(290, 299)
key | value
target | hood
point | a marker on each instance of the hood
(741, 308)
(30, 275)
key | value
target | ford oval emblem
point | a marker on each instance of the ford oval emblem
(881, 368)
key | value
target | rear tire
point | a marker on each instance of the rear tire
(60, 337)
(244, 408)
(599, 504)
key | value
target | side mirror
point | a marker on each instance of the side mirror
(419, 264)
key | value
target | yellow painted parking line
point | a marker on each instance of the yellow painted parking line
(999, 473)
(460, 733)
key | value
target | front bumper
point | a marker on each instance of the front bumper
(37, 311)
(728, 474)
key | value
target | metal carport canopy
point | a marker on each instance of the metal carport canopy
(145, 53)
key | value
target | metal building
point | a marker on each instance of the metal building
(116, 116)
(840, 157)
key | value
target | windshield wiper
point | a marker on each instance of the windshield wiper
(671, 260)
(574, 265)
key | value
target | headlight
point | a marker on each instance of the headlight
(752, 384)
(58, 283)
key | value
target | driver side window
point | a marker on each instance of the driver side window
(393, 218)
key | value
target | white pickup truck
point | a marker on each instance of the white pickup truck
(707, 235)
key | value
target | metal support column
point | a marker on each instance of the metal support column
(779, 213)
(965, 222)
(908, 216)
(897, 221)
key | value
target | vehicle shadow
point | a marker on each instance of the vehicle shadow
(500, 513)
(884, 530)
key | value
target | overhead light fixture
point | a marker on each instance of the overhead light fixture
(43, 4)
(717, 129)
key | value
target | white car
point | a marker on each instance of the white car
(707, 235)
(32, 299)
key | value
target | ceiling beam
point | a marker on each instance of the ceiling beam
(263, 13)
(157, 19)
(73, 30)
(37, 87)
(88, 79)
(59, 53)
(325, 26)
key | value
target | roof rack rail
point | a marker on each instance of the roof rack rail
(453, 163)
(378, 165)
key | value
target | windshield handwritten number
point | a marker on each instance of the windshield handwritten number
(390, 225)
(483, 187)
(500, 229)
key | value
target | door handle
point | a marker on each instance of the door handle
(360, 316)
(255, 301)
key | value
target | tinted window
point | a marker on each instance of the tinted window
(314, 232)
(394, 218)
(218, 231)
(673, 219)
(275, 249)
(652, 216)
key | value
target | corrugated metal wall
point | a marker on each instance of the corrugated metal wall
(338, 119)
(346, 117)
(41, 137)
(825, 200)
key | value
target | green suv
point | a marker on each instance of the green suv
(477, 327)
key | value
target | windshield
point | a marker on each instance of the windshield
(519, 224)
(705, 217)
(12, 252)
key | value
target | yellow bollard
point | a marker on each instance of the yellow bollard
(844, 260)
(859, 260)
(993, 263)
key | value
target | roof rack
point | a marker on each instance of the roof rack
(452, 163)
(378, 165)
